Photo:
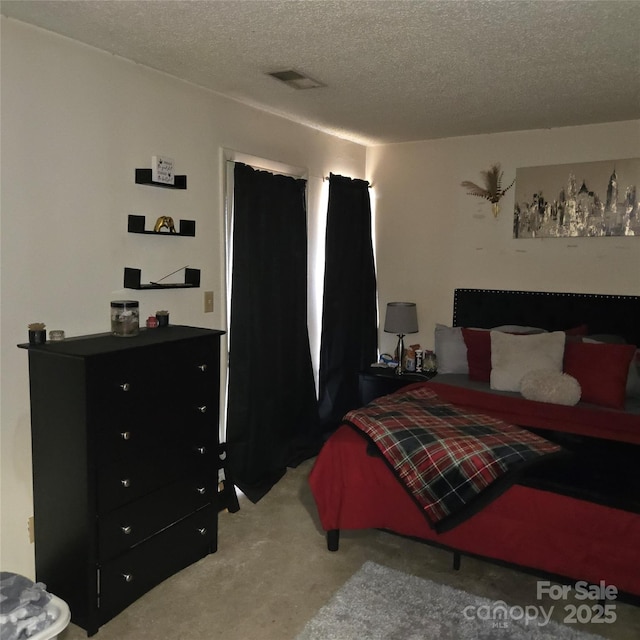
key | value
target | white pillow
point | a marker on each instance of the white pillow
(544, 385)
(451, 351)
(512, 356)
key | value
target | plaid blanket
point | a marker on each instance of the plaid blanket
(446, 457)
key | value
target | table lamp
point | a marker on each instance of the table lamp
(401, 318)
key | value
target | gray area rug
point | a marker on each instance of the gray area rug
(381, 603)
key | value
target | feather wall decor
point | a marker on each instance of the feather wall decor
(492, 190)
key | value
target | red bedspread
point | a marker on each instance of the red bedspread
(584, 419)
(525, 526)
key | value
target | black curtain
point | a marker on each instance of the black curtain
(349, 340)
(272, 417)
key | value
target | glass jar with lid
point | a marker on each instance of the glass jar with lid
(125, 318)
(430, 362)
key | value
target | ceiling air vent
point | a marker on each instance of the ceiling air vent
(296, 80)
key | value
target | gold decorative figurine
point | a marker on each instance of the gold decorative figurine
(164, 222)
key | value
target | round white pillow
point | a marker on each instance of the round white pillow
(545, 385)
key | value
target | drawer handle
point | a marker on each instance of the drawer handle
(125, 435)
(202, 531)
(202, 367)
(201, 490)
(128, 577)
(203, 408)
(126, 483)
(125, 386)
(201, 450)
(126, 530)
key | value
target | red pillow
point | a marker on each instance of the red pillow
(601, 370)
(478, 343)
(580, 330)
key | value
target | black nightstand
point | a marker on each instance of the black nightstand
(379, 381)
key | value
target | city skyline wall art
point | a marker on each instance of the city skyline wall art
(585, 199)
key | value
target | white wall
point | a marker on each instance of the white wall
(432, 237)
(76, 122)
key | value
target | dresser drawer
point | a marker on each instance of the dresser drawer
(129, 525)
(132, 478)
(173, 371)
(134, 433)
(127, 577)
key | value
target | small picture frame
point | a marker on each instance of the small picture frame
(162, 169)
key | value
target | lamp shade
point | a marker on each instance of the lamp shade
(401, 318)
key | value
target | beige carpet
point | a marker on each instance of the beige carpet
(272, 573)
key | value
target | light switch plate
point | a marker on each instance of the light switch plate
(208, 301)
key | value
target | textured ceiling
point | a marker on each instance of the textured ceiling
(394, 71)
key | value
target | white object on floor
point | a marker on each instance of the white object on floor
(59, 606)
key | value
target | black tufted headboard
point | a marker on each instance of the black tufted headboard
(602, 313)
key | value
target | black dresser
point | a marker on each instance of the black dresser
(125, 463)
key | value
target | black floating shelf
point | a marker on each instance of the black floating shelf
(136, 224)
(132, 278)
(143, 176)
